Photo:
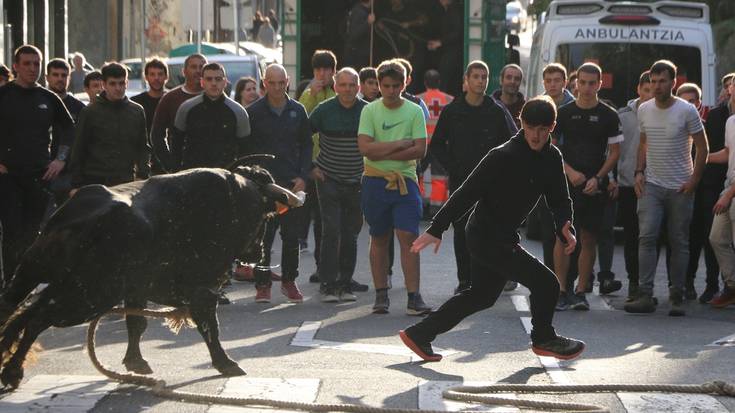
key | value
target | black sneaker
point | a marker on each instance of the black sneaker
(580, 302)
(358, 287)
(461, 287)
(382, 302)
(560, 347)
(707, 295)
(222, 298)
(610, 286)
(642, 303)
(676, 299)
(420, 348)
(328, 294)
(417, 306)
(314, 278)
(562, 304)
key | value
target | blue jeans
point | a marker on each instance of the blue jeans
(655, 204)
(339, 204)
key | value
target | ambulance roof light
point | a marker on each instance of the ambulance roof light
(577, 9)
(682, 11)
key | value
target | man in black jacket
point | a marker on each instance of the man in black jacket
(505, 187)
(467, 129)
(111, 144)
(28, 115)
(212, 126)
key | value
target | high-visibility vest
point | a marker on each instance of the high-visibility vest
(435, 100)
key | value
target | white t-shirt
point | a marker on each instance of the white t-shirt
(730, 145)
(669, 153)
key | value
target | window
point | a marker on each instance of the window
(622, 64)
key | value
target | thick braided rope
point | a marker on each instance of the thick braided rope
(458, 393)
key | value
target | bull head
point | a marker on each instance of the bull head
(265, 181)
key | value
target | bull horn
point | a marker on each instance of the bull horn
(284, 196)
(249, 160)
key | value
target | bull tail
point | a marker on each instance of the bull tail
(249, 160)
(12, 330)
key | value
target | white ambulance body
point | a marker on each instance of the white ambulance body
(625, 38)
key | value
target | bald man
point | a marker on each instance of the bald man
(279, 126)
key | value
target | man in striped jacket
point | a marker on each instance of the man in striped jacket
(337, 172)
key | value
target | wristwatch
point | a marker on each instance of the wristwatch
(639, 171)
(61, 156)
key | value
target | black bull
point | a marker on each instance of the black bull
(169, 240)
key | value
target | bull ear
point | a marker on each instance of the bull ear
(283, 195)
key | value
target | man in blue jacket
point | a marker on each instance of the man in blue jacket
(279, 126)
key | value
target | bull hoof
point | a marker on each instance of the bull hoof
(139, 366)
(11, 377)
(231, 370)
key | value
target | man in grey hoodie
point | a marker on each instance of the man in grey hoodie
(627, 201)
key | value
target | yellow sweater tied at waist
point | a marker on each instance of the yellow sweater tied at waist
(396, 180)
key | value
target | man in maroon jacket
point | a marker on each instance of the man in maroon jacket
(166, 144)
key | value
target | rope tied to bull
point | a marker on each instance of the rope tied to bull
(176, 318)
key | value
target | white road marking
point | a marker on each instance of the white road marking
(304, 337)
(598, 302)
(670, 403)
(430, 397)
(298, 390)
(723, 342)
(520, 302)
(57, 393)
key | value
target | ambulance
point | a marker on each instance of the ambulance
(625, 38)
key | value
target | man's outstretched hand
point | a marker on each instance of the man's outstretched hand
(423, 241)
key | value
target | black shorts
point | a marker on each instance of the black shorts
(588, 209)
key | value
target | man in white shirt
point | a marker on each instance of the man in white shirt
(665, 182)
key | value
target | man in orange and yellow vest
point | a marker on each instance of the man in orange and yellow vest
(435, 100)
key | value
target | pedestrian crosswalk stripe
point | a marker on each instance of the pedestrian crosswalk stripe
(295, 390)
(304, 337)
(520, 302)
(430, 397)
(58, 394)
(724, 342)
(670, 403)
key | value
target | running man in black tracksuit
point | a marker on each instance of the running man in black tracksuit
(505, 187)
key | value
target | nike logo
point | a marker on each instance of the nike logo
(386, 127)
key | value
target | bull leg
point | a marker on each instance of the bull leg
(12, 372)
(136, 325)
(203, 311)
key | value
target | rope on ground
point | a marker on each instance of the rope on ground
(458, 393)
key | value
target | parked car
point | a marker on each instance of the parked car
(235, 68)
(516, 18)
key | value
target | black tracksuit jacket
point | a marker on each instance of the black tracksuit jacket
(506, 186)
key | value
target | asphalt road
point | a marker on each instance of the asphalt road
(352, 356)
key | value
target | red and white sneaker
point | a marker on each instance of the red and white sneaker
(262, 293)
(724, 298)
(244, 273)
(291, 291)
